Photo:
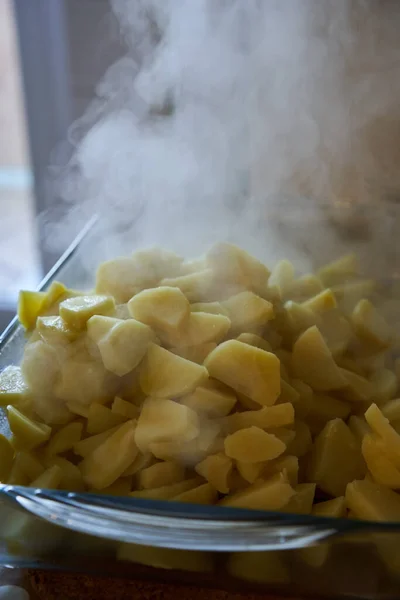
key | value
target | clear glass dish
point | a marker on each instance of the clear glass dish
(215, 546)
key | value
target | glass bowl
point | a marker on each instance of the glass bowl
(216, 546)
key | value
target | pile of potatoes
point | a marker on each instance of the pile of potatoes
(213, 381)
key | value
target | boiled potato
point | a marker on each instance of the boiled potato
(124, 409)
(249, 370)
(330, 508)
(40, 368)
(13, 389)
(288, 464)
(197, 287)
(323, 408)
(65, 438)
(27, 433)
(82, 382)
(71, 477)
(379, 463)
(268, 417)
(167, 492)
(203, 494)
(201, 328)
(216, 469)
(49, 479)
(160, 474)
(372, 501)
(384, 383)
(27, 463)
(30, 305)
(252, 444)
(247, 311)
(302, 441)
(281, 280)
(6, 458)
(299, 317)
(322, 302)
(54, 330)
(369, 324)
(302, 501)
(77, 311)
(101, 418)
(165, 309)
(380, 425)
(339, 271)
(166, 558)
(196, 354)
(255, 340)
(89, 444)
(357, 389)
(213, 308)
(211, 399)
(272, 494)
(250, 472)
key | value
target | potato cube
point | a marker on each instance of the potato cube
(359, 427)
(212, 308)
(216, 469)
(268, 417)
(302, 404)
(335, 458)
(6, 458)
(314, 364)
(336, 331)
(197, 287)
(204, 494)
(166, 558)
(201, 328)
(248, 370)
(28, 433)
(285, 435)
(98, 470)
(54, 330)
(165, 309)
(358, 389)
(250, 472)
(372, 501)
(101, 418)
(196, 354)
(124, 409)
(281, 278)
(212, 399)
(273, 494)
(330, 508)
(165, 420)
(339, 271)
(82, 381)
(305, 287)
(252, 444)
(247, 311)
(370, 325)
(30, 305)
(323, 408)
(49, 479)
(77, 311)
(300, 317)
(255, 340)
(165, 375)
(142, 461)
(160, 474)
(324, 301)
(350, 293)
(380, 425)
(27, 463)
(261, 567)
(167, 492)
(287, 464)
(193, 451)
(65, 438)
(302, 501)
(76, 408)
(40, 368)
(13, 389)
(302, 441)
(89, 445)
(384, 383)
(71, 477)
(379, 463)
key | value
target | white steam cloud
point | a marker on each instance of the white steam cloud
(221, 109)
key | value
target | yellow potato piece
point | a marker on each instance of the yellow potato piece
(359, 427)
(380, 425)
(65, 438)
(335, 459)
(260, 567)
(165, 375)
(358, 389)
(304, 400)
(54, 330)
(167, 492)
(370, 325)
(268, 417)
(302, 501)
(273, 494)
(204, 494)
(101, 418)
(49, 479)
(391, 410)
(160, 474)
(124, 409)
(350, 293)
(385, 385)
(142, 461)
(121, 487)
(89, 445)
(196, 354)
(252, 444)
(13, 389)
(212, 399)
(255, 340)
(337, 332)
(98, 470)
(288, 464)
(30, 305)
(248, 370)
(71, 477)
(28, 433)
(313, 362)
(285, 435)
(372, 501)
(201, 328)
(250, 472)
(379, 464)
(305, 287)
(330, 508)
(246, 311)
(213, 308)
(82, 381)
(323, 408)
(300, 317)
(165, 309)
(76, 408)
(339, 271)
(193, 451)
(28, 464)
(166, 558)
(197, 287)
(6, 458)
(322, 302)
(164, 420)
(17, 476)
(78, 310)
(40, 368)
(302, 441)
(281, 279)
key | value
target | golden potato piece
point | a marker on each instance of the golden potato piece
(302, 441)
(255, 340)
(302, 501)
(28, 464)
(305, 287)
(372, 501)
(250, 472)
(54, 330)
(339, 271)
(281, 279)
(304, 400)
(6, 458)
(212, 399)
(268, 417)
(197, 287)
(82, 382)
(89, 444)
(330, 508)
(322, 302)
(65, 438)
(142, 461)
(380, 425)
(370, 325)
(261, 567)
(40, 367)
(77, 311)
(160, 474)
(196, 354)
(165, 309)
(49, 479)
(335, 458)
(384, 383)
(246, 311)
(166, 375)
(288, 464)
(358, 389)
(164, 420)
(313, 362)
(13, 389)
(350, 293)
(265, 495)
(101, 418)
(71, 477)
(204, 494)
(336, 331)
(28, 433)
(193, 451)
(30, 305)
(359, 427)
(323, 408)
(391, 410)
(201, 328)
(124, 409)
(252, 444)
(379, 464)
(167, 492)
(300, 317)
(213, 308)
(248, 370)
(166, 558)
(98, 470)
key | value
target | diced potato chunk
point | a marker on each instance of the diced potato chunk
(252, 444)
(122, 344)
(28, 464)
(197, 287)
(142, 461)
(322, 302)
(160, 474)
(330, 508)
(261, 567)
(71, 477)
(166, 492)
(49, 479)
(65, 438)
(54, 330)
(121, 487)
(379, 463)
(340, 270)
(213, 308)
(77, 311)
(303, 403)
(384, 383)
(314, 364)
(212, 399)
(302, 441)
(166, 558)
(322, 409)
(380, 425)
(300, 317)
(28, 433)
(250, 472)
(302, 501)
(193, 451)
(6, 458)
(268, 417)
(282, 278)
(273, 494)
(216, 469)
(359, 427)
(255, 340)
(337, 332)
(358, 389)
(369, 324)
(101, 418)
(124, 409)
(248, 370)
(305, 287)
(246, 311)
(82, 381)
(40, 367)
(165, 375)
(201, 328)
(335, 458)
(30, 305)
(204, 494)
(89, 445)
(350, 293)
(165, 309)
(98, 470)
(196, 354)
(165, 420)
(288, 464)
(13, 389)
(372, 501)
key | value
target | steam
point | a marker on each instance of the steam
(222, 109)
